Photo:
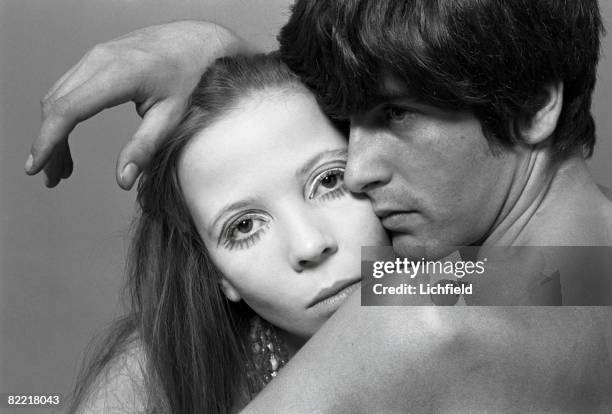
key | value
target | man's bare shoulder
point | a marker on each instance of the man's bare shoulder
(120, 387)
(484, 358)
(496, 362)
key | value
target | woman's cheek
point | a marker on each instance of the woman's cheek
(369, 230)
(238, 259)
(248, 271)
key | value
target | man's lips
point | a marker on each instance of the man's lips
(333, 290)
(395, 220)
(383, 212)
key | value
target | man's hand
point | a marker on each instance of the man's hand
(156, 67)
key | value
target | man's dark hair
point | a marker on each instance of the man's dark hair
(493, 58)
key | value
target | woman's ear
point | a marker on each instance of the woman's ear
(230, 291)
(542, 125)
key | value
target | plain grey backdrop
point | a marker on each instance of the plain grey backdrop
(62, 250)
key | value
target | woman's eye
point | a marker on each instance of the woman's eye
(328, 184)
(244, 226)
(330, 181)
(244, 231)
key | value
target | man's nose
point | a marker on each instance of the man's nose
(365, 169)
(311, 242)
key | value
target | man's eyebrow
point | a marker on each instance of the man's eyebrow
(228, 208)
(309, 165)
(384, 95)
(390, 95)
(389, 90)
(382, 99)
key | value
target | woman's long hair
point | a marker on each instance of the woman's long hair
(193, 337)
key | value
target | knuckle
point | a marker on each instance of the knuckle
(46, 98)
(37, 148)
(59, 107)
(113, 52)
(143, 145)
(101, 50)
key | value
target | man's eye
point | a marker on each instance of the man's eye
(397, 114)
(327, 184)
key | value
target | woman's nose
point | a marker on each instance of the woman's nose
(311, 243)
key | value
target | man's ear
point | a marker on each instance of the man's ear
(542, 125)
(229, 290)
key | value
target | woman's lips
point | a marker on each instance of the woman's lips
(331, 298)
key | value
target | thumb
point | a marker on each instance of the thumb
(158, 123)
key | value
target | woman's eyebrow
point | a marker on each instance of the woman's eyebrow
(309, 165)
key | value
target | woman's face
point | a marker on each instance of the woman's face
(264, 185)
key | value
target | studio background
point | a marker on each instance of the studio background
(62, 250)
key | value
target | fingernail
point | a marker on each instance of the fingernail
(128, 174)
(29, 163)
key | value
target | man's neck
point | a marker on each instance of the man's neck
(553, 203)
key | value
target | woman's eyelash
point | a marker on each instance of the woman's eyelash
(246, 242)
(333, 193)
(227, 235)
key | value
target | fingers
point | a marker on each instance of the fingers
(68, 163)
(156, 125)
(59, 165)
(60, 88)
(62, 113)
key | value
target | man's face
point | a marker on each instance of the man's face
(431, 174)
